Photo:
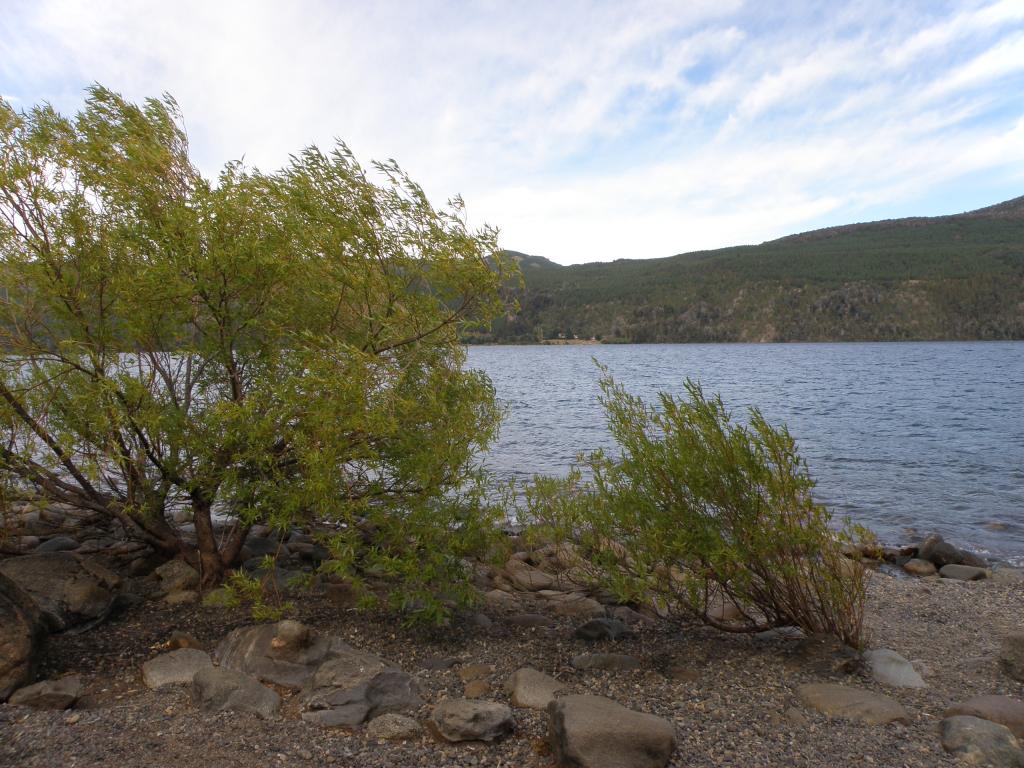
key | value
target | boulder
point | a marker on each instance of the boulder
(216, 689)
(939, 551)
(963, 572)
(918, 567)
(998, 709)
(177, 576)
(531, 688)
(595, 732)
(390, 691)
(602, 629)
(889, 668)
(1011, 655)
(21, 637)
(70, 591)
(393, 727)
(464, 720)
(177, 667)
(286, 654)
(527, 578)
(609, 662)
(852, 703)
(49, 694)
(980, 742)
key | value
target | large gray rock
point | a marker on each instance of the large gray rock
(595, 732)
(58, 544)
(49, 694)
(889, 668)
(603, 629)
(465, 720)
(216, 689)
(389, 692)
(532, 689)
(852, 703)
(1011, 655)
(69, 590)
(21, 637)
(980, 742)
(174, 668)
(998, 709)
(287, 653)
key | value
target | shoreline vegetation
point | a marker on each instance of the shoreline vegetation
(243, 522)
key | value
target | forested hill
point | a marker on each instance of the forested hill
(947, 277)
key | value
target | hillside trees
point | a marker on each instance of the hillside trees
(274, 348)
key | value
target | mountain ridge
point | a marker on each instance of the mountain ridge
(958, 276)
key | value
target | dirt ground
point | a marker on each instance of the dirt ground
(732, 698)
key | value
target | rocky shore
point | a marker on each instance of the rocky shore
(136, 672)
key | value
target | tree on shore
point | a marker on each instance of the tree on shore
(274, 348)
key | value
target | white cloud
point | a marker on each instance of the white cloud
(585, 129)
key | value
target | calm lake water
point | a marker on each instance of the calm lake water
(906, 438)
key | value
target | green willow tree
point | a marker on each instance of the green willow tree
(275, 348)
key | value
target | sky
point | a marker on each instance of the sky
(584, 130)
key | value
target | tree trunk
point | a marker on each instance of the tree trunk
(207, 557)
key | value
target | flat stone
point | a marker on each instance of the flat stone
(980, 742)
(464, 720)
(175, 668)
(963, 572)
(1011, 655)
(918, 567)
(852, 703)
(393, 727)
(889, 668)
(49, 694)
(998, 709)
(217, 689)
(595, 732)
(610, 662)
(532, 689)
(602, 629)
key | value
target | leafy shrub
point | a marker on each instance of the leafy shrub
(710, 518)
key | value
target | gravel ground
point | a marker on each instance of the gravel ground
(733, 703)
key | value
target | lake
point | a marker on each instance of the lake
(906, 438)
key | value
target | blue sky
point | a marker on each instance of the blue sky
(583, 130)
